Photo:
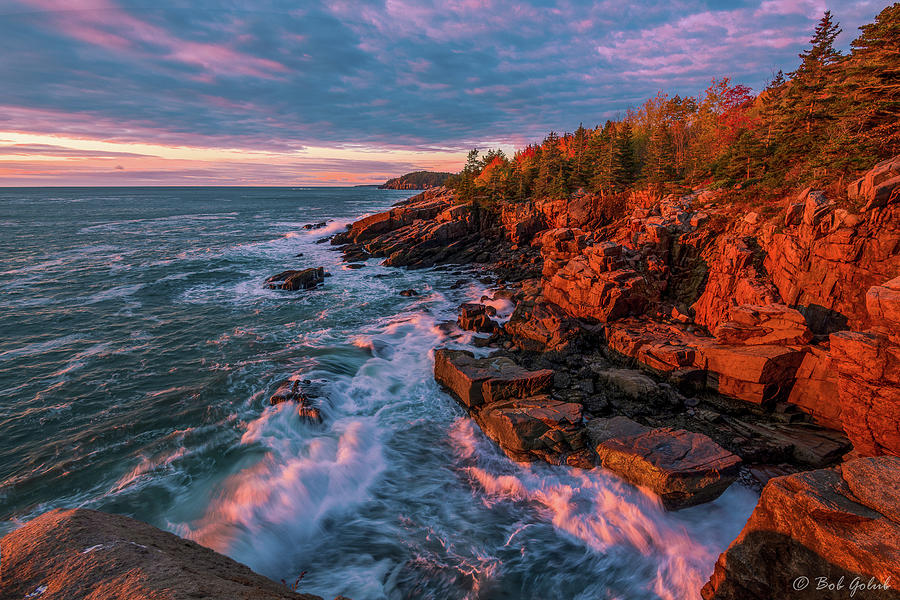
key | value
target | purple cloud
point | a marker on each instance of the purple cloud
(430, 75)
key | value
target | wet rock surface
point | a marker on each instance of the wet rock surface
(291, 391)
(693, 335)
(80, 553)
(476, 381)
(474, 317)
(535, 428)
(509, 404)
(681, 467)
(293, 280)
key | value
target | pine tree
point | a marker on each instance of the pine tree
(873, 83)
(600, 152)
(659, 167)
(625, 169)
(579, 168)
(811, 79)
(466, 184)
(551, 179)
(771, 100)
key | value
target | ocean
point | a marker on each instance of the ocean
(138, 350)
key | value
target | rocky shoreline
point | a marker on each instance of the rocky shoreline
(80, 553)
(686, 346)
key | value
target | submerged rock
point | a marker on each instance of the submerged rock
(288, 392)
(292, 280)
(408, 293)
(838, 526)
(80, 553)
(310, 414)
(291, 392)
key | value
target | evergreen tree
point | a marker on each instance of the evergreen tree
(465, 185)
(601, 154)
(659, 167)
(812, 93)
(579, 168)
(873, 83)
(841, 113)
(625, 168)
(551, 179)
(771, 100)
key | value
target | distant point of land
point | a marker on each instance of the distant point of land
(420, 180)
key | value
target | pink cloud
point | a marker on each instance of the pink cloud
(811, 8)
(102, 23)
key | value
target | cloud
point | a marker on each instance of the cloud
(102, 23)
(49, 150)
(437, 76)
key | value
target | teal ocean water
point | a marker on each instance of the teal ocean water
(138, 349)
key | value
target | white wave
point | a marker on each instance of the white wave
(609, 516)
(264, 515)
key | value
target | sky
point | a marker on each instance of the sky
(113, 92)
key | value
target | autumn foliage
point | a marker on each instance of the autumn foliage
(830, 118)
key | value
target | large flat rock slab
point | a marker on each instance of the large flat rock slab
(841, 525)
(808, 444)
(601, 429)
(681, 467)
(509, 404)
(67, 554)
(537, 428)
(476, 381)
(757, 364)
(754, 325)
(759, 374)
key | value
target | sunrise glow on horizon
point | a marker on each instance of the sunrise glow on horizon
(340, 93)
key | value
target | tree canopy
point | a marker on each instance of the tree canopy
(832, 116)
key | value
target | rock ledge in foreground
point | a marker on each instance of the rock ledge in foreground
(80, 553)
(831, 523)
(681, 467)
(510, 405)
